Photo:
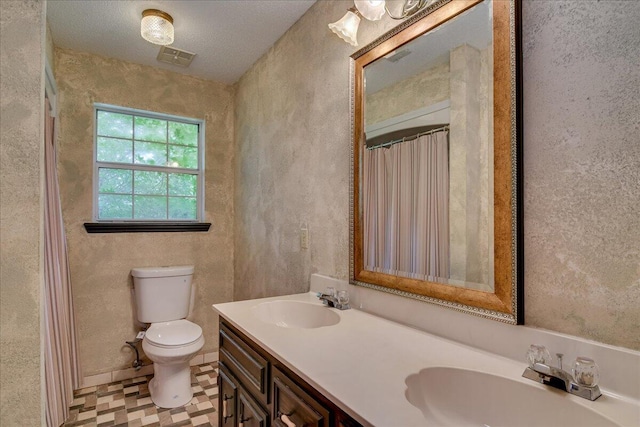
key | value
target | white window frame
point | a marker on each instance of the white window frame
(200, 173)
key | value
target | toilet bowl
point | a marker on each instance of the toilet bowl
(163, 296)
(170, 346)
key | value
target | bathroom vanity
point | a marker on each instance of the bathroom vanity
(289, 360)
(257, 390)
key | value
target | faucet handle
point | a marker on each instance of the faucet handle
(538, 354)
(585, 372)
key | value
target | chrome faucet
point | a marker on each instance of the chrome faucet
(332, 301)
(560, 379)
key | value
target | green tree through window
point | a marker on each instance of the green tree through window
(148, 166)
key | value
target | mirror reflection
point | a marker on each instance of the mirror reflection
(427, 185)
(436, 187)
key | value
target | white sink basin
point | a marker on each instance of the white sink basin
(459, 397)
(295, 314)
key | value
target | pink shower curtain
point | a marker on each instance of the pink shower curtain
(406, 208)
(61, 367)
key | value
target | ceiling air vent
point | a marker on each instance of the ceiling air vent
(174, 56)
(396, 55)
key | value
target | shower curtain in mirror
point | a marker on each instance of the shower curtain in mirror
(61, 367)
(406, 208)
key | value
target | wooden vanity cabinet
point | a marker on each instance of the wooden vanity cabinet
(256, 390)
(237, 407)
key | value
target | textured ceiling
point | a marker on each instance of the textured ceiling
(228, 36)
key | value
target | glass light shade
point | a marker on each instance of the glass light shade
(157, 27)
(347, 27)
(373, 10)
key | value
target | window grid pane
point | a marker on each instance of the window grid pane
(183, 157)
(114, 181)
(150, 183)
(115, 150)
(150, 207)
(131, 193)
(115, 206)
(183, 134)
(148, 129)
(116, 125)
(181, 208)
(182, 184)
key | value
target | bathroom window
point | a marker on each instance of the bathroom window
(149, 167)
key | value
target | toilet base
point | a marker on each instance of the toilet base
(170, 386)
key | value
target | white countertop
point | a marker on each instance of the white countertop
(362, 362)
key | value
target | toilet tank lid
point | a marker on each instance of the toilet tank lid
(181, 270)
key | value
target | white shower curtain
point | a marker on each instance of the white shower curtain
(61, 367)
(406, 208)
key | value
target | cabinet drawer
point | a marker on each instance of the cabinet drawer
(245, 363)
(293, 406)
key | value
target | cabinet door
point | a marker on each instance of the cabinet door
(292, 406)
(250, 414)
(227, 397)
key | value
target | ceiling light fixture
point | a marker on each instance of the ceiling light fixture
(157, 27)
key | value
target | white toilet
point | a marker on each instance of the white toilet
(163, 296)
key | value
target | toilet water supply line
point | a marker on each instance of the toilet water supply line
(137, 364)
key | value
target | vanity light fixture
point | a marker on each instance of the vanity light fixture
(347, 27)
(373, 10)
(411, 7)
(157, 27)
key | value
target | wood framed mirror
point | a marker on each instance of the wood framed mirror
(436, 182)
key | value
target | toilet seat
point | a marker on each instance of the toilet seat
(176, 333)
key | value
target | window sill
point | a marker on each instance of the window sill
(145, 227)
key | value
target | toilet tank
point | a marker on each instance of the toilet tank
(162, 293)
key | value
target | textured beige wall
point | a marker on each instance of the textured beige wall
(582, 168)
(419, 91)
(581, 165)
(292, 159)
(471, 181)
(101, 263)
(22, 50)
(49, 47)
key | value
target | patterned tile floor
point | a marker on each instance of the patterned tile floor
(127, 403)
